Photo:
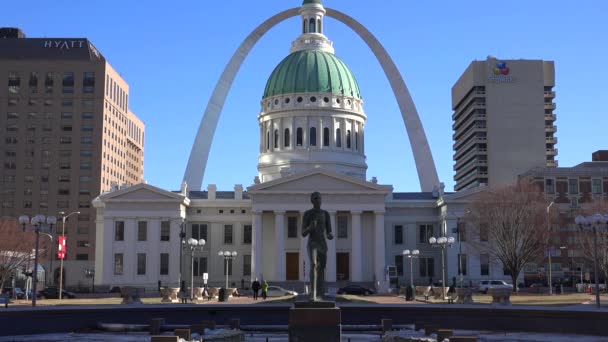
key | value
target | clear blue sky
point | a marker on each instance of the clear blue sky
(172, 54)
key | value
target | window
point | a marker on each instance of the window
(311, 25)
(461, 229)
(276, 138)
(199, 231)
(573, 186)
(119, 231)
(462, 264)
(229, 265)
(86, 115)
(292, 227)
(549, 186)
(67, 103)
(88, 82)
(348, 138)
(427, 267)
(398, 235)
(82, 243)
(199, 265)
(483, 232)
(425, 233)
(247, 232)
(85, 166)
(33, 82)
(141, 263)
(85, 153)
(246, 265)
(228, 231)
(299, 136)
(118, 263)
(14, 83)
(165, 231)
(68, 82)
(142, 230)
(86, 128)
(86, 140)
(326, 136)
(286, 138)
(596, 186)
(399, 264)
(66, 115)
(48, 83)
(82, 256)
(12, 115)
(338, 137)
(484, 264)
(357, 141)
(164, 263)
(342, 222)
(313, 136)
(267, 140)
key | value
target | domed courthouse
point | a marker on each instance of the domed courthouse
(312, 138)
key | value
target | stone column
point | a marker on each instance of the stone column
(279, 235)
(257, 264)
(379, 247)
(356, 259)
(330, 268)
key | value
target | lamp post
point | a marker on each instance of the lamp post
(227, 256)
(90, 273)
(193, 245)
(182, 241)
(36, 223)
(51, 257)
(549, 240)
(442, 242)
(63, 218)
(411, 255)
(593, 223)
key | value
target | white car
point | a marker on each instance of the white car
(277, 291)
(485, 285)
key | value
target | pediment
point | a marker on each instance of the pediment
(142, 192)
(318, 180)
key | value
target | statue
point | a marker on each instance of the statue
(317, 224)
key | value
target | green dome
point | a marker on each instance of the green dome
(311, 71)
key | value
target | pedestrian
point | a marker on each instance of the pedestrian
(255, 286)
(182, 293)
(264, 290)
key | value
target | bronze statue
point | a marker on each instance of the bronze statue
(317, 224)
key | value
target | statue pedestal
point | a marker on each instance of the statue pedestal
(314, 322)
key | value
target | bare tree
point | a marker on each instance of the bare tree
(15, 248)
(586, 238)
(510, 225)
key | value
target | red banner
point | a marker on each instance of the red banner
(61, 248)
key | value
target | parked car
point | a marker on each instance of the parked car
(13, 292)
(53, 293)
(485, 285)
(355, 290)
(277, 291)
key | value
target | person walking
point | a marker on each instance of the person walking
(255, 286)
(264, 289)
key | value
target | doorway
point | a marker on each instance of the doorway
(292, 261)
(342, 266)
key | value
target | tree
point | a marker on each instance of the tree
(510, 224)
(586, 238)
(15, 248)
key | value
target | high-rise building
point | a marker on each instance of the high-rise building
(67, 134)
(503, 121)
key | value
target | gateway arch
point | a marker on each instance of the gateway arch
(197, 162)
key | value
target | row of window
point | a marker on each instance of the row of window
(64, 140)
(116, 93)
(34, 84)
(426, 231)
(48, 115)
(68, 102)
(312, 138)
(199, 265)
(426, 266)
(573, 186)
(49, 128)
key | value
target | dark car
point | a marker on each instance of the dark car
(53, 293)
(13, 292)
(355, 290)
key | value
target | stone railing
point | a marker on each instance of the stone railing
(423, 291)
(131, 295)
(440, 292)
(169, 294)
(500, 296)
(464, 295)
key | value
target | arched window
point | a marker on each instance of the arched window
(299, 136)
(287, 138)
(268, 140)
(338, 137)
(319, 26)
(304, 26)
(313, 136)
(311, 25)
(357, 141)
(348, 138)
(325, 136)
(276, 138)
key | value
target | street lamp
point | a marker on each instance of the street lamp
(63, 218)
(182, 237)
(36, 223)
(51, 257)
(442, 242)
(90, 273)
(411, 255)
(593, 223)
(549, 230)
(193, 245)
(227, 256)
